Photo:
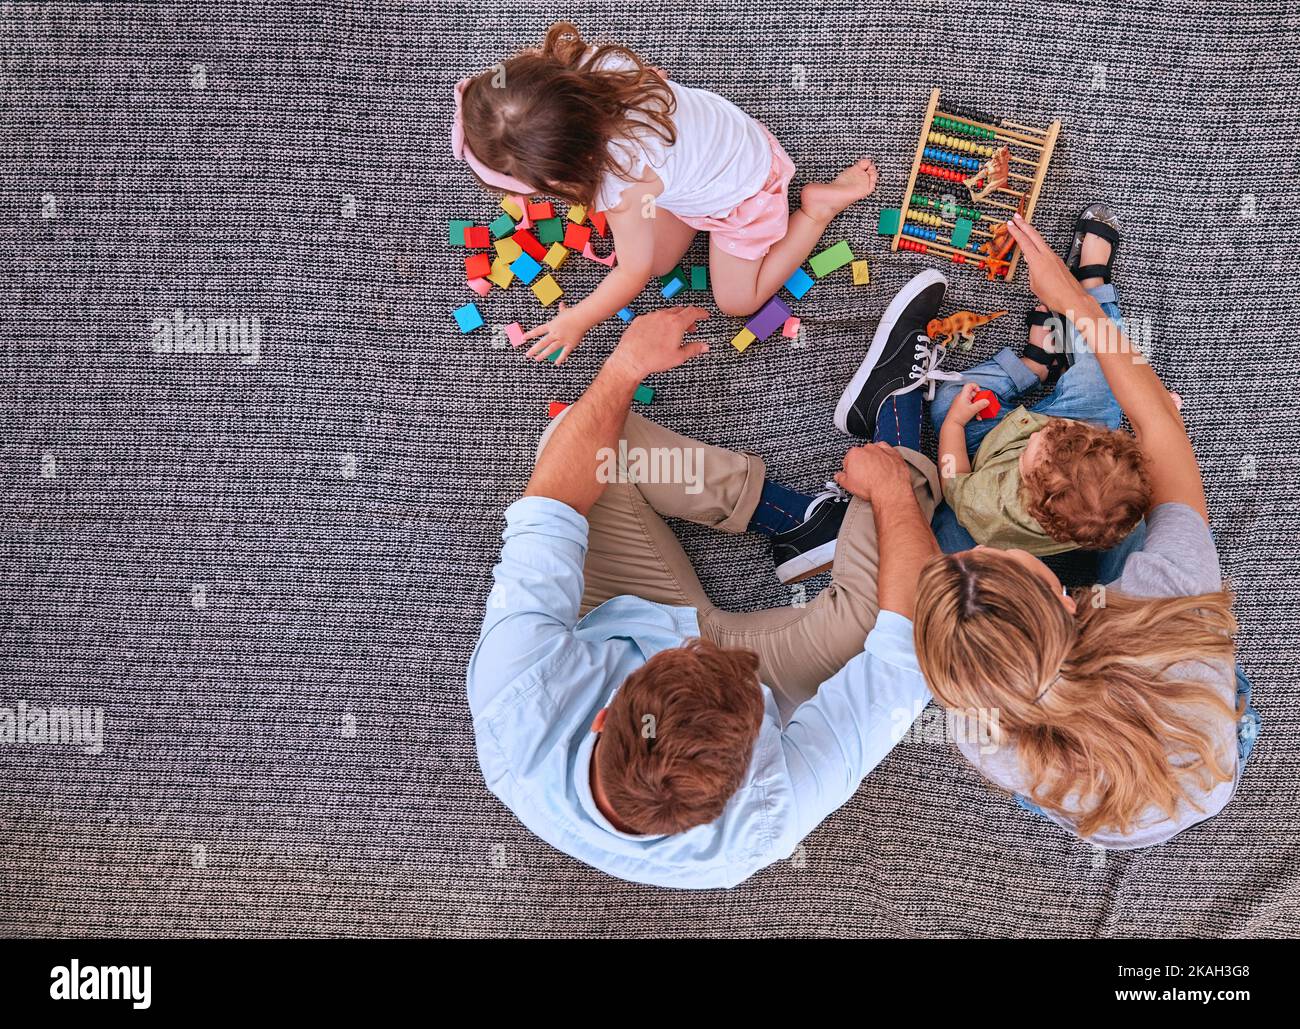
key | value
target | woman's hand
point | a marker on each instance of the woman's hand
(1049, 278)
(654, 342)
(563, 332)
(965, 406)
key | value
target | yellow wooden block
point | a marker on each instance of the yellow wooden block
(507, 249)
(501, 274)
(577, 214)
(547, 290)
(513, 209)
(556, 256)
(743, 339)
(861, 273)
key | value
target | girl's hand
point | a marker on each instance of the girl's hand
(1049, 278)
(966, 407)
(563, 332)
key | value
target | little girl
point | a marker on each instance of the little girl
(594, 125)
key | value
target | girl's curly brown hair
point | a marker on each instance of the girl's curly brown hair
(1090, 485)
(546, 117)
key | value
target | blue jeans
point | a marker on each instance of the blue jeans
(1247, 732)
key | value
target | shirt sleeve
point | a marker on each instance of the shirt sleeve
(1177, 559)
(971, 496)
(535, 598)
(834, 739)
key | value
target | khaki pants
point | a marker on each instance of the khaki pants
(632, 550)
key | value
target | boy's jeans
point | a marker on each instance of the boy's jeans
(1081, 393)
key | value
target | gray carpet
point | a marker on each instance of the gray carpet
(270, 575)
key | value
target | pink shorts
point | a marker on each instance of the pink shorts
(758, 221)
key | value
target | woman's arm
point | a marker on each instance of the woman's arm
(634, 242)
(1171, 462)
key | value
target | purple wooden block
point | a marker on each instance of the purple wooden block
(770, 317)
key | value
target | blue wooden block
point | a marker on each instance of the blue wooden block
(525, 267)
(799, 283)
(627, 314)
(672, 288)
(467, 317)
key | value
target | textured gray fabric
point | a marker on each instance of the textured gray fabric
(339, 501)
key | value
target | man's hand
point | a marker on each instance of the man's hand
(876, 473)
(653, 342)
(965, 406)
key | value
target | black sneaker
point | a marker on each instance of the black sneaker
(809, 548)
(901, 357)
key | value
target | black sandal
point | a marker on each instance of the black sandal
(1099, 220)
(1057, 362)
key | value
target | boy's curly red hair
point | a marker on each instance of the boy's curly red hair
(1089, 486)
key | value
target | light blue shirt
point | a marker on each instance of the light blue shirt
(539, 675)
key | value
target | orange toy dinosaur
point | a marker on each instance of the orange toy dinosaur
(958, 328)
(996, 249)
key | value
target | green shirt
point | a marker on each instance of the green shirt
(987, 500)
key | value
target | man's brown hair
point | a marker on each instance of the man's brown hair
(679, 735)
(1089, 486)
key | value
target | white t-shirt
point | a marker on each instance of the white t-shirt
(721, 156)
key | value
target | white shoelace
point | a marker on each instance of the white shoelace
(832, 492)
(925, 367)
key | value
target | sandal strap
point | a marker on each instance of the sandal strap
(1084, 226)
(1048, 358)
(1093, 271)
(1036, 317)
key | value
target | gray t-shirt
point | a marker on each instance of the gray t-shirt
(1178, 559)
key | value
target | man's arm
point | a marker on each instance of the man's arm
(857, 716)
(1171, 462)
(878, 475)
(567, 469)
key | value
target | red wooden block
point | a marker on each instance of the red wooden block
(540, 211)
(994, 404)
(478, 267)
(576, 237)
(477, 238)
(528, 244)
(598, 219)
(555, 408)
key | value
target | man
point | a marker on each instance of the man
(631, 723)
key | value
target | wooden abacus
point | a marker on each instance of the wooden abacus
(955, 149)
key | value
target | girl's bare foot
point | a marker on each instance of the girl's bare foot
(822, 201)
(1040, 336)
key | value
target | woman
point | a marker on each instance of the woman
(1116, 710)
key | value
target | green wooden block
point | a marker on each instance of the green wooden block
(550, 230)
(643, 395)
(887, 224)
(831, 258)
(699, 278)
(961, 233)
(502, 226)
(456, 232)
(676, 273)
(555, 356)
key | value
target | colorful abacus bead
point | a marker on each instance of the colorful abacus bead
(912, 244)
(947, 174)
(949, 124)
(920, 232)
(924, 217)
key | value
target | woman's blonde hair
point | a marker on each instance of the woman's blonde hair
(546, 117)
(1101, 729)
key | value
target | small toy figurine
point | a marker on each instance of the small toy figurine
(995, 174)
(958, 328)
